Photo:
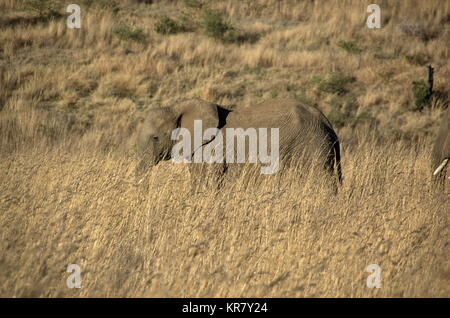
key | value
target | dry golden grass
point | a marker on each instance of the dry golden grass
(281, 239)
(68, 100)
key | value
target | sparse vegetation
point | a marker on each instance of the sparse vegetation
(334, 83)
(422, 96)
(166, 25)
(156, 241)
(69, 105)
(213, 23)
(46, 9)
(217, 27)
(350, 46)
(420, 59)
(111, 5)
(194, 4)
(127, 32)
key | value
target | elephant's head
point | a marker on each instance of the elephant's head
(154, 142)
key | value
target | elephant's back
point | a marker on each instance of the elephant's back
(276, 109)
(300, 125)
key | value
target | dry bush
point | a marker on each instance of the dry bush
(68, 103)
(288, 237)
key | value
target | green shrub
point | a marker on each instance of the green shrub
(216, 27)
(422, 95)
(291, 87)
(194, 4)
(350, 47)
(126, 32)
(166, 25)
(44, 8)
(315, 80)
(198, 16)
(334, 84)
(103, 4)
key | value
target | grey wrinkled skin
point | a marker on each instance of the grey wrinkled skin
(305, 134)
(441, 151)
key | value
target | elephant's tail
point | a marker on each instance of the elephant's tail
(337, 158)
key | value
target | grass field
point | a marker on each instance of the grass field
(68, 106)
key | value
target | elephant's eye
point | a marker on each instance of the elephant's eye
(155, 138)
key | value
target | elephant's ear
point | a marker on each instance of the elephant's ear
(196, 109)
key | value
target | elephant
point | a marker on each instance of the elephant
(440, 157)
(301, 130)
